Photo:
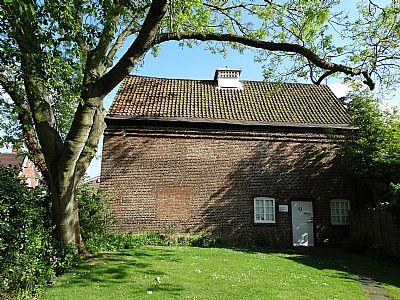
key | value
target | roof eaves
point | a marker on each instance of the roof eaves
(230, 122)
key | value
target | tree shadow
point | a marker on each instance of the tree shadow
(285, 170)
(383, 271)
(108, 270)
(116, 166)
(97, 269)
(349, 266)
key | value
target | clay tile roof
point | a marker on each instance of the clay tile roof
(10, 159)
(288, 103)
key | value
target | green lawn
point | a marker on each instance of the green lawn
(220, 273)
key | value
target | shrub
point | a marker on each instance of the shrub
(94, 215)
(25, 243)
(205, 240)
(113, 241)
(29, 257)
(94, 219)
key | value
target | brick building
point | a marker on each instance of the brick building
(28, 169)
(243, 160)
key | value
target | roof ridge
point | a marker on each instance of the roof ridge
(154, 77)
(242, 80)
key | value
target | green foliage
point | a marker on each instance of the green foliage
(112, 241)
(24, 236)
(204, 240)
(94, 215)
(377, 33)
(29, 257)
(373, 151)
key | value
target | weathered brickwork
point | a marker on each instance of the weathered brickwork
(203, 180)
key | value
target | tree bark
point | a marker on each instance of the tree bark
(65, 214)
(72, 164)
(64, 211)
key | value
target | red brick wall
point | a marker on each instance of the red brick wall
(205, 180)
(30, 174)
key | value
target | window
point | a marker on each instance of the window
(264, 210)
(340, 212)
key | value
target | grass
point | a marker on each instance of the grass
(221, 273)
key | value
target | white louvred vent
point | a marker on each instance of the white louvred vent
(227, 78)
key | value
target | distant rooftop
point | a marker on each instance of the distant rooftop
(11, 159)
(259, 102)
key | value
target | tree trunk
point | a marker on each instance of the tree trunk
(65, 214)
(65, 176)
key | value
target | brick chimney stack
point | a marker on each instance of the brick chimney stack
(16, 147)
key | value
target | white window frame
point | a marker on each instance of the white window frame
(338, 211)
(267, 212)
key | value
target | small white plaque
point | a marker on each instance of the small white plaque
(283, 208)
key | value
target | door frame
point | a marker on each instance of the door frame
(291, 218)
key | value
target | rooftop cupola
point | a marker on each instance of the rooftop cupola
(227, 78)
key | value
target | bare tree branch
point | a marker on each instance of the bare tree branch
(77, 136)
(96, 60)
(119, 41)
(227, 13)
(269, 46)
(325, 75)
(78, 35)
(42, 113)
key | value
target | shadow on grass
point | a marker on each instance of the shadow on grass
(105, 269)
(341, 260)
(110, 269)
(135, 270)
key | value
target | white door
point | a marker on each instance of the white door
(302, 223)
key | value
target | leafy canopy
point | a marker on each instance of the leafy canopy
(373, 150)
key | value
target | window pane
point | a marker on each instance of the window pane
(264, 210)
(340, 211)
(259, 203)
